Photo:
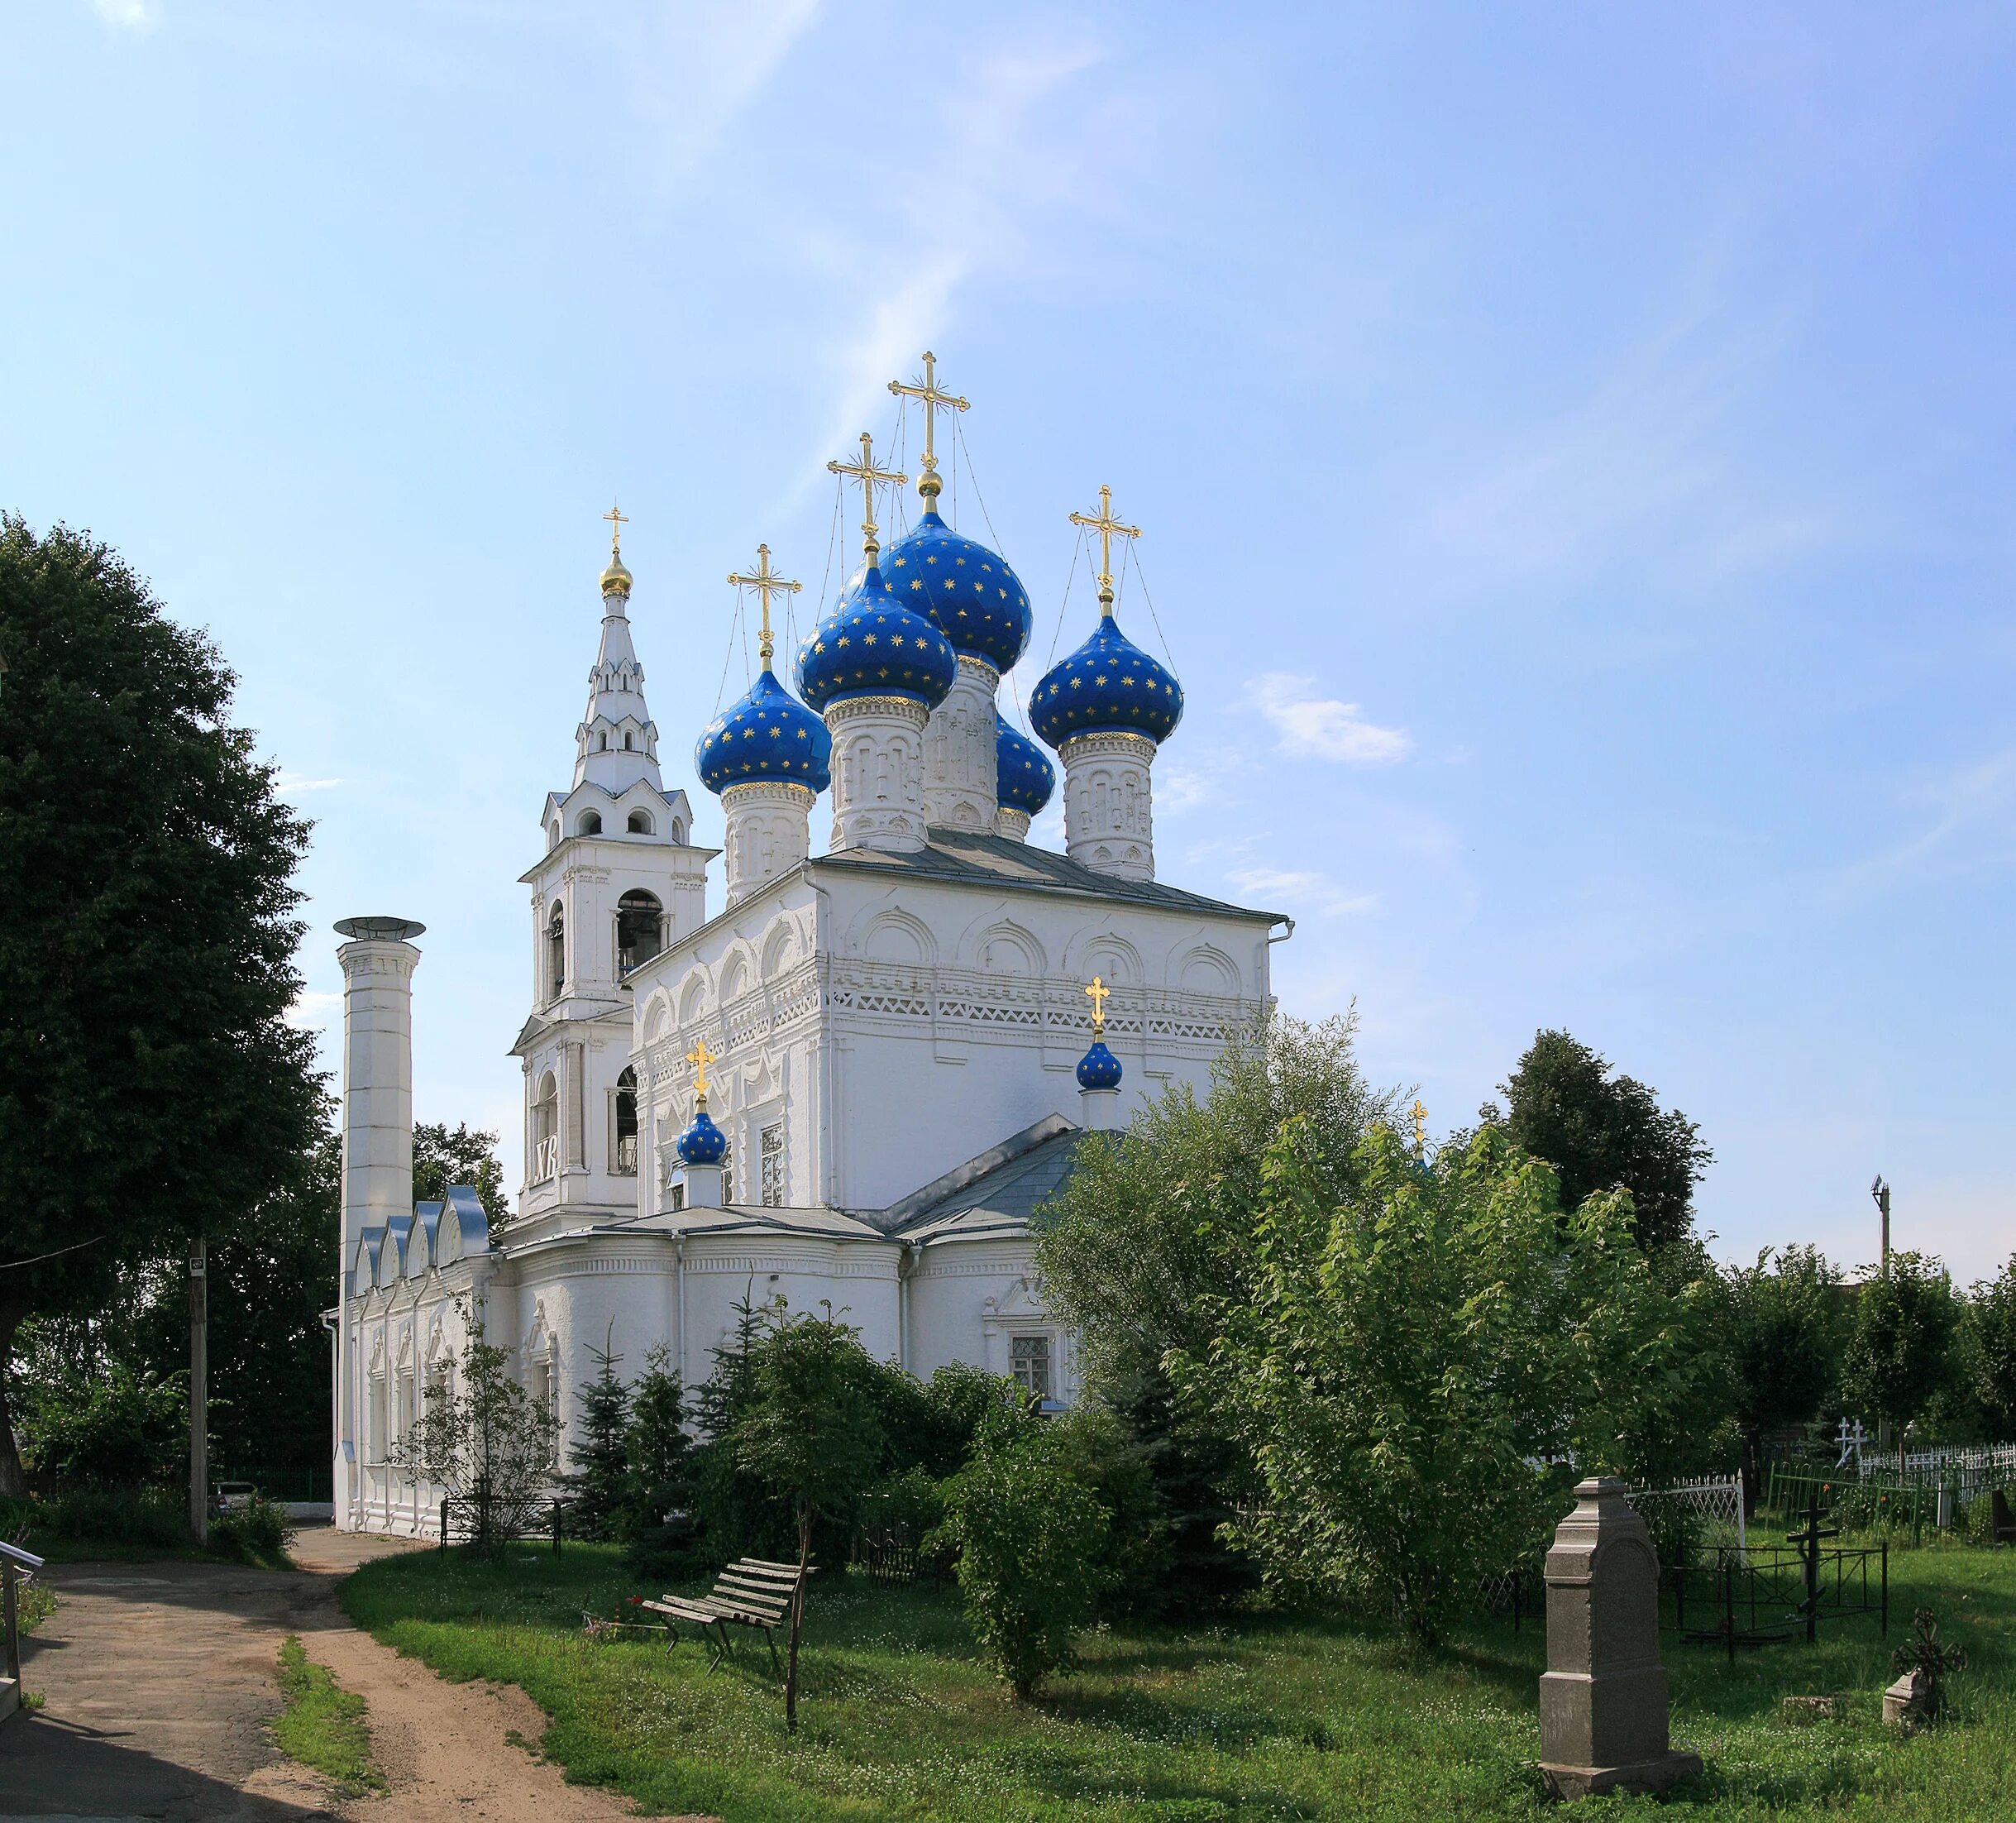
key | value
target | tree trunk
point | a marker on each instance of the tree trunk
(13, 1481)
(798, 1616)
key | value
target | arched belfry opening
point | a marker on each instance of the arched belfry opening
(640, 930)
(622, 1146)
(556, 954)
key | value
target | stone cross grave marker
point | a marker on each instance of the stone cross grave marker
(1602, 1701)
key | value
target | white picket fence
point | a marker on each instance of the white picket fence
(1967, 1468)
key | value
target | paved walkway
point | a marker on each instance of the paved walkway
(158, 1679)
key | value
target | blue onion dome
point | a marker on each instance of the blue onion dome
(1108, 683)
(872, 645)
(978, 602)
(769, 736)
(1027, 778)
(703, 1143)
(1099, 1068)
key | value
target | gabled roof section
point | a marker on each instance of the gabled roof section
(967, 858)
(998, 1192)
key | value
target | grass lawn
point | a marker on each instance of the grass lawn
(323, 1724)
(1278, 1717)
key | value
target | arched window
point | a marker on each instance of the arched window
(553, 837)
(640, 822)
(556, 954)
(623, 1148)
(546, 1131)
(679, 830)
(603, 739)
(640, 930)
(626, 741)
(591, 823)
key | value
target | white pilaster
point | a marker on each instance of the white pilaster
(1108, 818)
(961, 784)
(769, 832)
(878, 772)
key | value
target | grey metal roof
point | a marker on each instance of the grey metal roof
(1005, 1198)
(967, 858)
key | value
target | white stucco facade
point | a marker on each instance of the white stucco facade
(894, 1032)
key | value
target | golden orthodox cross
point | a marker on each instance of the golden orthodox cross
(617, 520)
(1421, 1129)
(1099, 993)
(700, 1057)
(766, 583)
(1106, 526)
(934, 402)
(868, 474)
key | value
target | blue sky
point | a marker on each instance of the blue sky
(1573, 443)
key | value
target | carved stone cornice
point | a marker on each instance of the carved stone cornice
(1108, 740)
(861, 708)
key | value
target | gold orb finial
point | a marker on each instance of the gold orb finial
(616, 579)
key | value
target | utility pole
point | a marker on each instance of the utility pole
(1881, 1192)
(199, 1391)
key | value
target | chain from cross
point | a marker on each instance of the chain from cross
(1420, 1129)
(766, 583)
(617, 520)
(934, 402)
(700, 1057)
(1107, 527)
(1099, 993)
(868, 474)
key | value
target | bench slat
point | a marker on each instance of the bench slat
(762, 1573)
(775, 1591)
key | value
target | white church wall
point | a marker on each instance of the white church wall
(858, 1279)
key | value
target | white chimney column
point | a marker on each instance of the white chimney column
(378, 964)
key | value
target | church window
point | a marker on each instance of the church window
(728, 1182)
(556, 954)
(622, 1149)
(591, 822)
(640, 822)
(626, 741)
(679, 1198)
(374, 1443)
(640, 930)
(602, 740)
(772, 1160)
(546, 1131)
(1028, 1364)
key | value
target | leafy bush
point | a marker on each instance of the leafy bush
(256, 1532)
(1030, 1538)
(116, 1428)
(147, 1518)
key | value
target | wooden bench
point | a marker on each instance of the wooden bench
(750, 1592)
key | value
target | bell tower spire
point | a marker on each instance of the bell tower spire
(616, 744)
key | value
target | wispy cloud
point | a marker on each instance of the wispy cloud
(1314, 891)
(314, 1009)
(1978, 796)
(127, 15)
(715, 58)
(1178, 789)
(288, 783)
(1321, 727)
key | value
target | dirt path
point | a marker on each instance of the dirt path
(158, 1681)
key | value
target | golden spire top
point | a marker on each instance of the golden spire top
(933, 401)
(616, 580)
(868, 474)
(700, 1057)
(1098, 994)
(766, 583)
(1420, 1129)
(1106, 526)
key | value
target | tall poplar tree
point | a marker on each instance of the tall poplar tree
(151, 1089)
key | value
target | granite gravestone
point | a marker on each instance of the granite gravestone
(1602, 1702)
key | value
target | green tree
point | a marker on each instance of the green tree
(1155, 1230)
(1783, 1322)
(1903, 1342)
(810, 1433)
(601, 1481)
(150, 1088)
(1409, 1358)
(1602, 1132)
(1992, 1317)
(441, 1159)
(483, 1439)
(1031, 1538)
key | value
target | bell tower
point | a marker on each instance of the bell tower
(619, 880)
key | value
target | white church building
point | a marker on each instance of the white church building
(854, 1078)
